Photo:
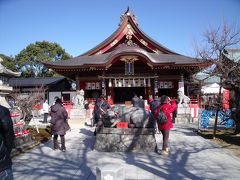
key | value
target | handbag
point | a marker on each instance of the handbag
(161, 118)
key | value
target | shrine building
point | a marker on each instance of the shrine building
(129, 62)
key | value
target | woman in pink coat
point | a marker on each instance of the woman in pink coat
(168, 106)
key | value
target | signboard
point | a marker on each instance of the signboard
(165, 85)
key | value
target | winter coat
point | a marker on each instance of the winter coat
(153, 105)
(59, 117)
(135, 101)
(167, 110)
(141, 103)
(6, 138)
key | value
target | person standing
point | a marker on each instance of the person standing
(6, 144)
(59, 123)
(141, 102)
(101, 108)
(135, 101)
(154, 104)
(45, 111)
(167, 106)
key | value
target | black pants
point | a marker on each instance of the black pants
(55, 142)
(165, 134)
(45, 116)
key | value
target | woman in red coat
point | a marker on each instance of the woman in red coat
(168, 106)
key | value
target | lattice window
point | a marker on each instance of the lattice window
(129, 68)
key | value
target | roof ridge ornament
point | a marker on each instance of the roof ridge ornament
(126, 14)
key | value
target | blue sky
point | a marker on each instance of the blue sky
(79, 25)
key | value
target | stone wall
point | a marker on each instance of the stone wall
(125, 140)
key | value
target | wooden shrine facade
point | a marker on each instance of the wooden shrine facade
(129, 62)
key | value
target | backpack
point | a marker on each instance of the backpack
(161, 118)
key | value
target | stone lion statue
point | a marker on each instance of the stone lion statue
(79, 99)
(183, 99)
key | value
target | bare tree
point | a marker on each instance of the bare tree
(217, 43)
(26, 101)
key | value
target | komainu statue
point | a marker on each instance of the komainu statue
(79, 99)
(183, 99)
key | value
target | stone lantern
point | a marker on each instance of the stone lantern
(5, 89)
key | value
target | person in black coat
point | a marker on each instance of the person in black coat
(100, 110)
(6, 143)
(154, 104)
(135, 101)
(141, 103)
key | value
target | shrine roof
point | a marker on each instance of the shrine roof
(34, 81)
(104, 58)
(128, 25)
(128, 39)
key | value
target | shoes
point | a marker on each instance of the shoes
(164, 152)
(168, 149)
(63, 149)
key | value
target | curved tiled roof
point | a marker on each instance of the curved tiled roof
(34, 81)
(104, 58)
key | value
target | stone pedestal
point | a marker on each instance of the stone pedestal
(125, 140)
(183, 115)
(110, 171)
(79, 114)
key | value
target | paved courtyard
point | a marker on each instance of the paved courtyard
(192, 157)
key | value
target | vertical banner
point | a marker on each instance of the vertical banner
(155, 86)
(144, 82)
(134, 84)
(226, 98)
(139, 82)
(119, 83)
(103, 88)
(124, 83)
(115, 82)
(109, 83)
(149, 82)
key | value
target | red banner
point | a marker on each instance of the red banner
(226, 97)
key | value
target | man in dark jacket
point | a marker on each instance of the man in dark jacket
(154, 104)
(141, 102)
(135, 101)
(6, 143)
